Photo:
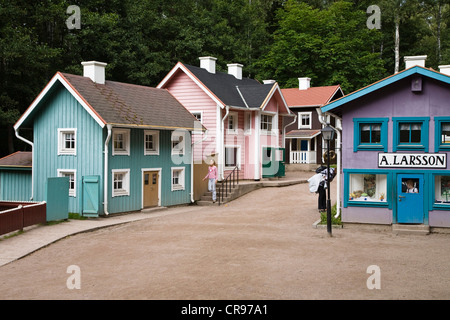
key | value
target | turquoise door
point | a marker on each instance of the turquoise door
(91, 196)
(410, 195)
(57, 198)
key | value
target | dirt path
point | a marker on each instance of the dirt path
(260, 246)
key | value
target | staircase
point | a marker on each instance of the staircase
(206, 199)
(226, 190)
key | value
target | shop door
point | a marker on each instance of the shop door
(410, 195)
(151, 189)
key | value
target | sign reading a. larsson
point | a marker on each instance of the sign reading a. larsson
(412, 160)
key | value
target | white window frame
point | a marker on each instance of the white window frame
(181, 178)
(234, 118)
(302, 126)
(178, 151)
(126, 141)
(265, 130)
(155, 134)
(125, 191)
(62, 150)
(247, 123)
(64, 173)
(195, 114)
(238, 156)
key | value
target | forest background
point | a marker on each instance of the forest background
(141, 40)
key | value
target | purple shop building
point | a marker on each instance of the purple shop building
(396, 148)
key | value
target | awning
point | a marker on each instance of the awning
(302, 134)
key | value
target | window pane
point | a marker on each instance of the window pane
(230, 157)
(365, 133)
(118, 141)
(410, 185)
(376, 133)
(69, 142)
(404, 133)
(367, 187)
(442, 189)
(445, 132)
(149, 143)
(416, 132)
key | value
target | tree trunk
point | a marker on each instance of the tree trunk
(397, 45)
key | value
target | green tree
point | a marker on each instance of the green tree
(24, 61)
(331, 46)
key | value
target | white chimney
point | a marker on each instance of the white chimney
(235, 69)
(411, 61)
(445, 69)
(208, 63)
(94, 70)
(269, 81)
(304, 83)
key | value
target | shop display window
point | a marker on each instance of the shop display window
(367, 187)
(442, 190)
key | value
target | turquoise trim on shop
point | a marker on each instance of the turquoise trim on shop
(437, 134)
(382, 146)
(422, 146)
(389, 195)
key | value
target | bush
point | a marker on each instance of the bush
(336, 221)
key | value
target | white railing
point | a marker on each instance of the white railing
(299, 157)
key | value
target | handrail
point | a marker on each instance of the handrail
(228, 183)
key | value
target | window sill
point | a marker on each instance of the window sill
(441, 206)
(121, 153)
(121, 193)
(411, 147)
(373, 147)
(354, 203)
(177, 188)
(151, 153)
(66, 153)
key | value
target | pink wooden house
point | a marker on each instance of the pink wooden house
(243, 116)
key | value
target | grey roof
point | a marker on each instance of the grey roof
(17, 159)
(129, 104)
(232, 91)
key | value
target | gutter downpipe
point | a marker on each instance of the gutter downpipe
(222, 153)
(16, 130)
(192, 163)
(105, 184)
(338, 182)
(284, 130)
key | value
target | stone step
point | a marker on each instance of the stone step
(417, 229)
(206, 203)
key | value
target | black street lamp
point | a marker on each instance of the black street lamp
(328, 136)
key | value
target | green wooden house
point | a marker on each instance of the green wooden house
(124, 147)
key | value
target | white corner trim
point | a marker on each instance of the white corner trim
(76, 95)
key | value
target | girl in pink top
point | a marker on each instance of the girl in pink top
(212, 176)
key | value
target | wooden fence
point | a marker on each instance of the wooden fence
(18, 215)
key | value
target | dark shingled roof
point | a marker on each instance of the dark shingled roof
(225, 87)
(128, 104)
(17, 159)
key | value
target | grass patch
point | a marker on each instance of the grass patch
(11, 235)
(76, 216)
(335, 221)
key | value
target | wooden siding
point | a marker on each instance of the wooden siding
(196, 100)
(15, 185)
(62, 110)
(137, 161)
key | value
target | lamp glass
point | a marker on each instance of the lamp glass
(328, 133)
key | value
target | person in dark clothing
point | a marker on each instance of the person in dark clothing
(321, 190)
(322, 203)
